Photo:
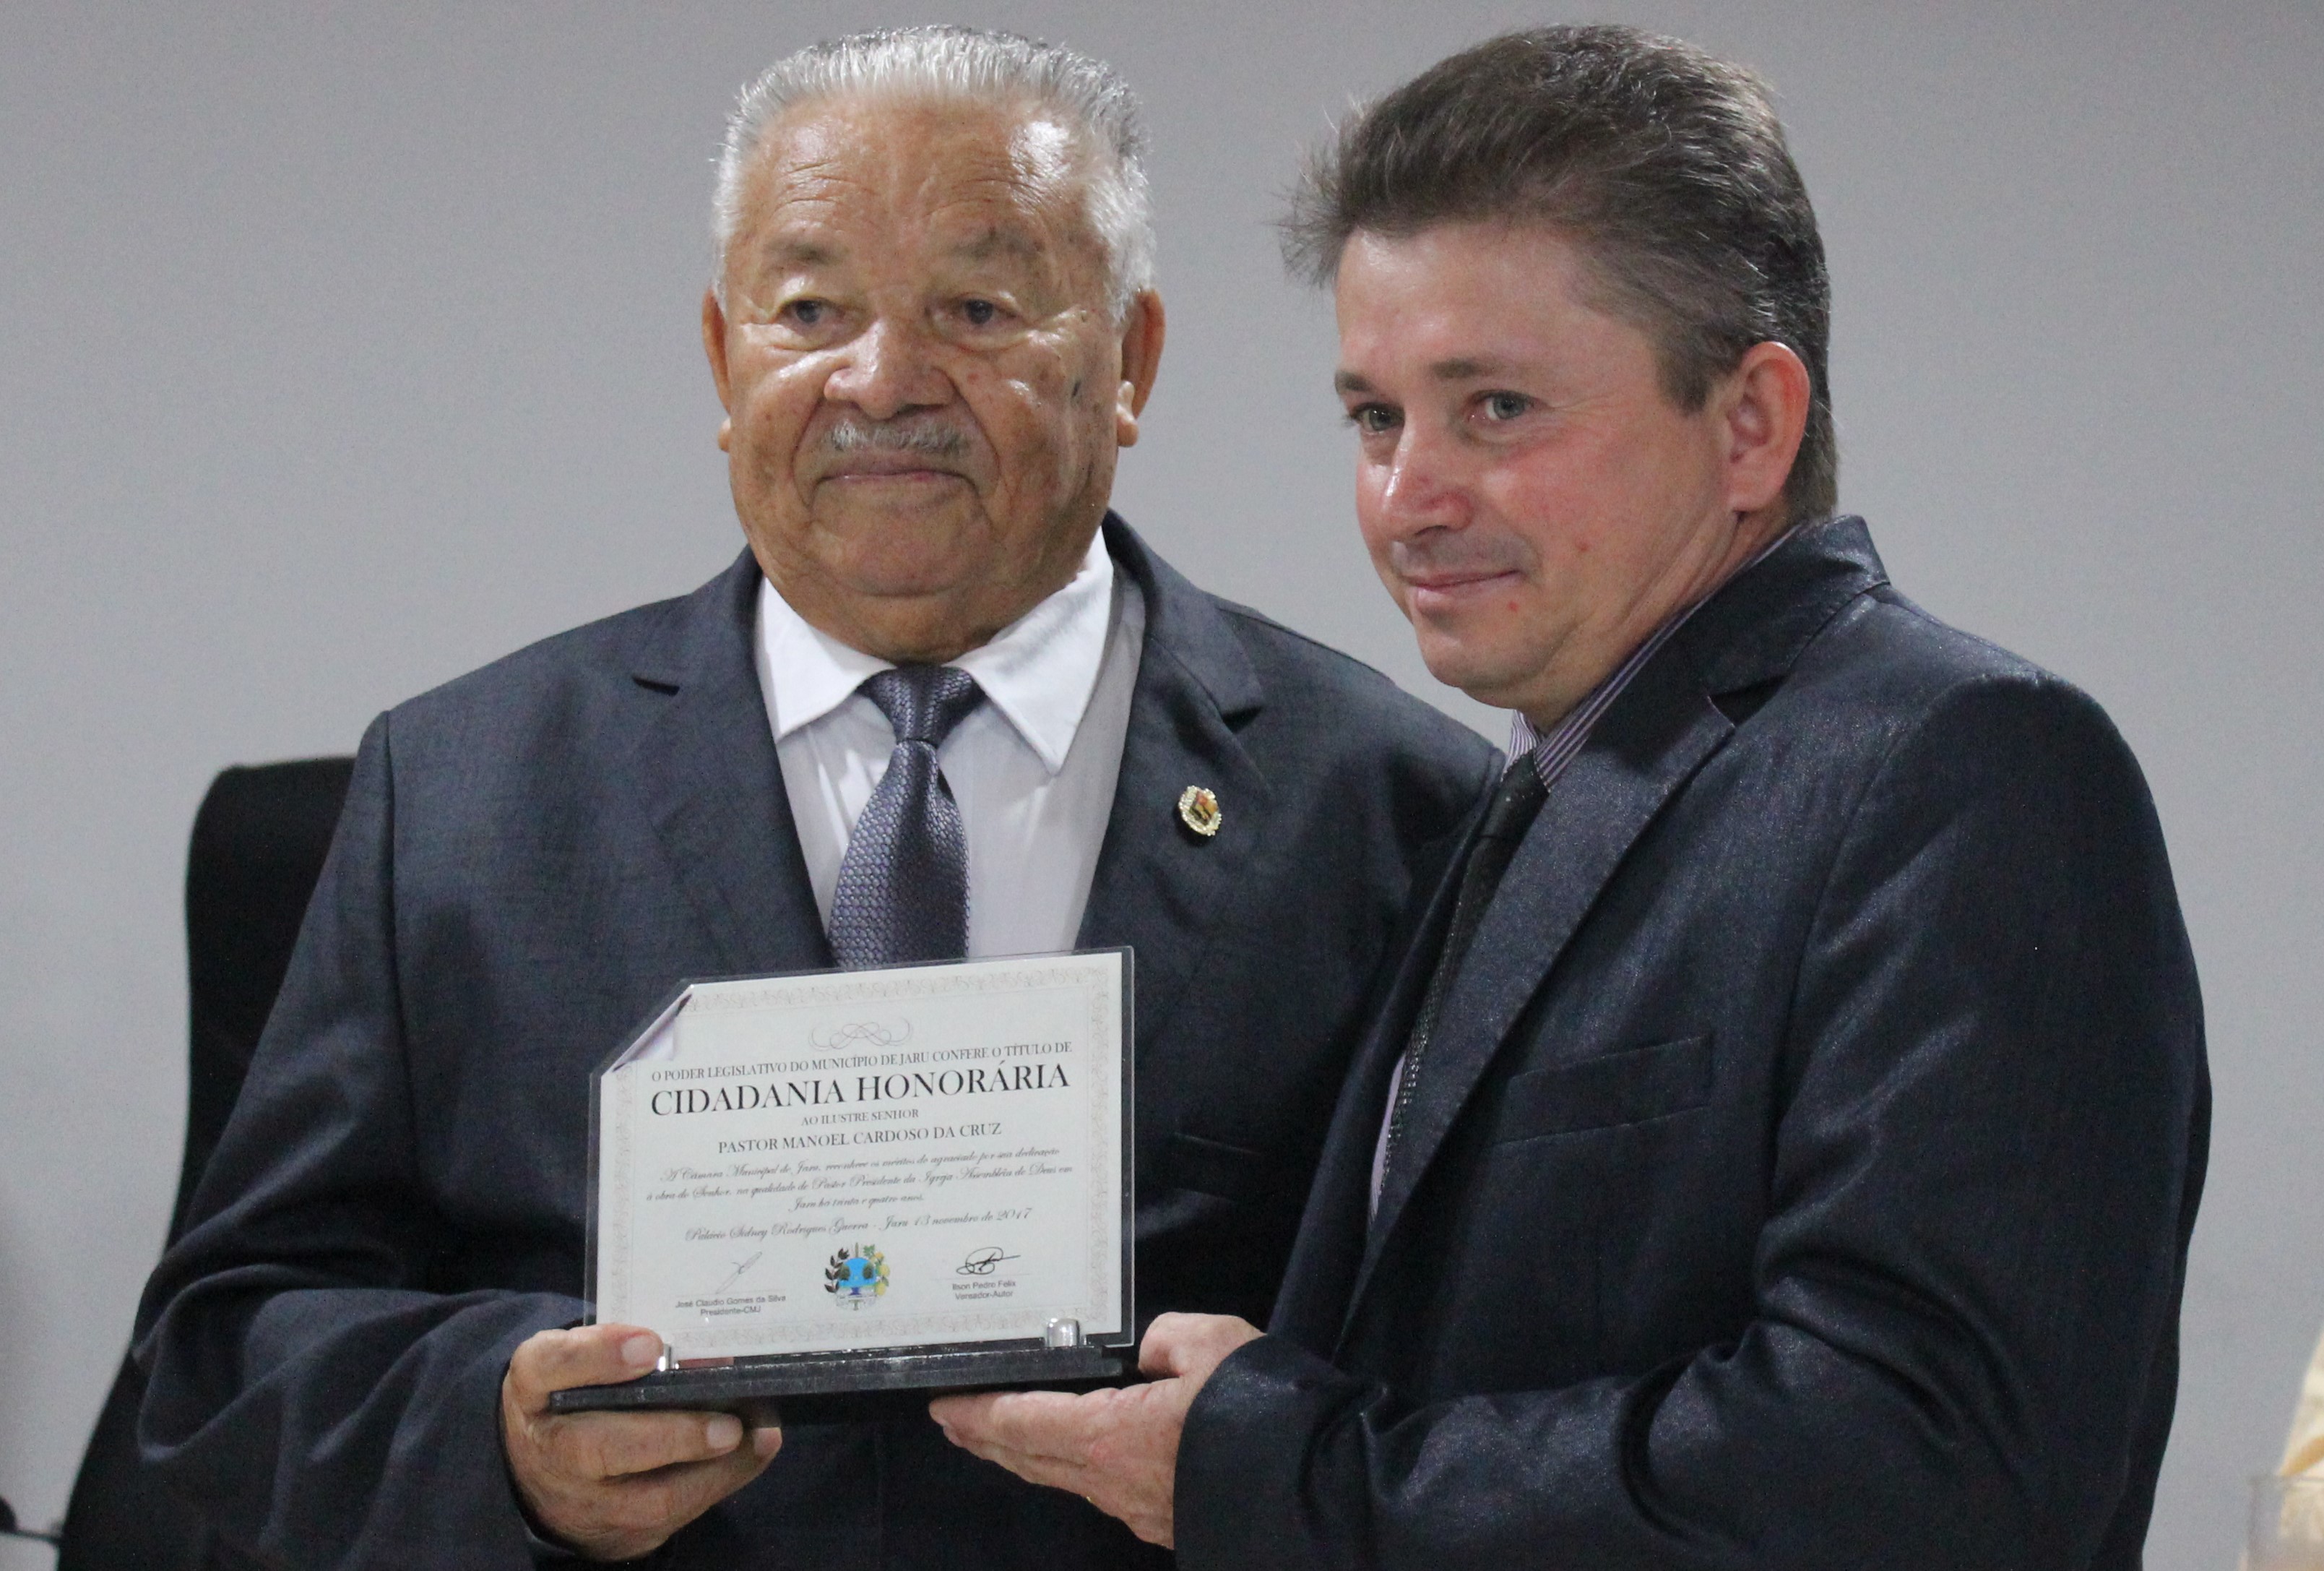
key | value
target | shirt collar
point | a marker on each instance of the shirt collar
(1038, 671)
(1552, 750)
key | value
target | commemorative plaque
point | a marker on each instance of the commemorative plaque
(832, 1194)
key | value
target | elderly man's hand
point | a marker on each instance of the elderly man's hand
(612, 1486)
(1117, 1449)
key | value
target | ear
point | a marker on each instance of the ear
(1141, 357)
(1765, 404)
(713, 344)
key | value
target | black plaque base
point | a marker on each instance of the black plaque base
(827, 1391)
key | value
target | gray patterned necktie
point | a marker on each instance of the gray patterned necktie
(903, 884)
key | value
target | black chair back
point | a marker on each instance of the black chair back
(258, 845)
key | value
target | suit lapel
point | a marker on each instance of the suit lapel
(1657, 734)
(1159, 885)
(706, 773)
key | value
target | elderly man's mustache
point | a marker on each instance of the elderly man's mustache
(923, 438)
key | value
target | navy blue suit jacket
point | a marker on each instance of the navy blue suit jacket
(528, 859)
(1802, 1170)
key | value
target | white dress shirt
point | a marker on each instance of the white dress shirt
(1032, 768)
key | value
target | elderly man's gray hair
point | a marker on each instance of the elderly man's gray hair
(1084, 95)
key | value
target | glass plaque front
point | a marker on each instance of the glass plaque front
(880, 1181)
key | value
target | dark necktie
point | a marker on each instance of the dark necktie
(1511, 814)
(903, 884)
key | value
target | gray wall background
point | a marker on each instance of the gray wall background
(344, 347)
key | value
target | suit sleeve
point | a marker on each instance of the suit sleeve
(1985, 1149)
(326, 1405)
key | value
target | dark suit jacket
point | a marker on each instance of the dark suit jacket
(529, 858)
(1803, 1166)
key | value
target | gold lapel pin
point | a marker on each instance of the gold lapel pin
(1198, 809)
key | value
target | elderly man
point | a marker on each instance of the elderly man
(933, 326)
(1780, 1148)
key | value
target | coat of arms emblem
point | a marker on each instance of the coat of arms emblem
(857, 1277)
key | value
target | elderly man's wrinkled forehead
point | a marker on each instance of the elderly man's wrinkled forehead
(1013, 171)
